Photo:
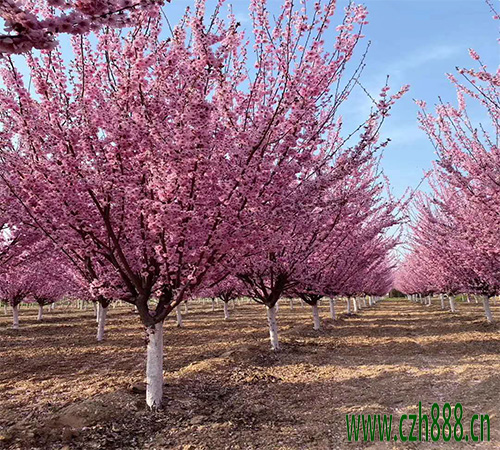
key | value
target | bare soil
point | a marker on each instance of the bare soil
(226, 390)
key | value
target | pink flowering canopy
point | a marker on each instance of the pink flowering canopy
(149, 163)
(455, 238)
(30, 24)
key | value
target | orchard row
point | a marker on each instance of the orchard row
(151, 170)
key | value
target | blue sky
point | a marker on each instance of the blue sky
(416, 42)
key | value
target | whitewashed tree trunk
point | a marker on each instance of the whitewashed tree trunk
(429, 300)
(302, 304)
(277, 306)
(475, 298)
(291, 303)
(364, 302)
(348, 305)
(53, 305)
(441, 297)
(273, 327)
(468, 298)
(226, 311)
(370, 301)
(5, 309)
(452, 303)
(185, 307)
(40, 312)
(355, 304)
(487, 309)
(213, 305)
(316, 322)
(179, 315)
(15, 317)
(102, 322)
(154, 366)
(332, 308)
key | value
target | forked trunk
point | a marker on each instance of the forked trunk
(273, 327)
(179, 315)
(332, 309)
(15, 317)
(154, 366)
(226, 311)
(40, 312)
(316, 322)
(103, 311)
(487, 309)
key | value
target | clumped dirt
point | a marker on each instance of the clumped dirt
(226, 390)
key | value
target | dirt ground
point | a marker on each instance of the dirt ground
(226, 390)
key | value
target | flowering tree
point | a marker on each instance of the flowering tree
(31, 24)
(225, 290)
(456, 235)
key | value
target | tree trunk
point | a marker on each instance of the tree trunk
(40, 312)
(355, 304)
(226, 311)
(154, 366)
(101, 323)
(487, 309)
(348, 305)
(429, 300)
(364, 302)
(185, 307)
(15, 317)
(452, 303)
(291, 304)
(332, 309)
(468, 298)
(316, 323)
(213, 305)
(179, 315)
(441, 297)
(273, 327)
(5, 309)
